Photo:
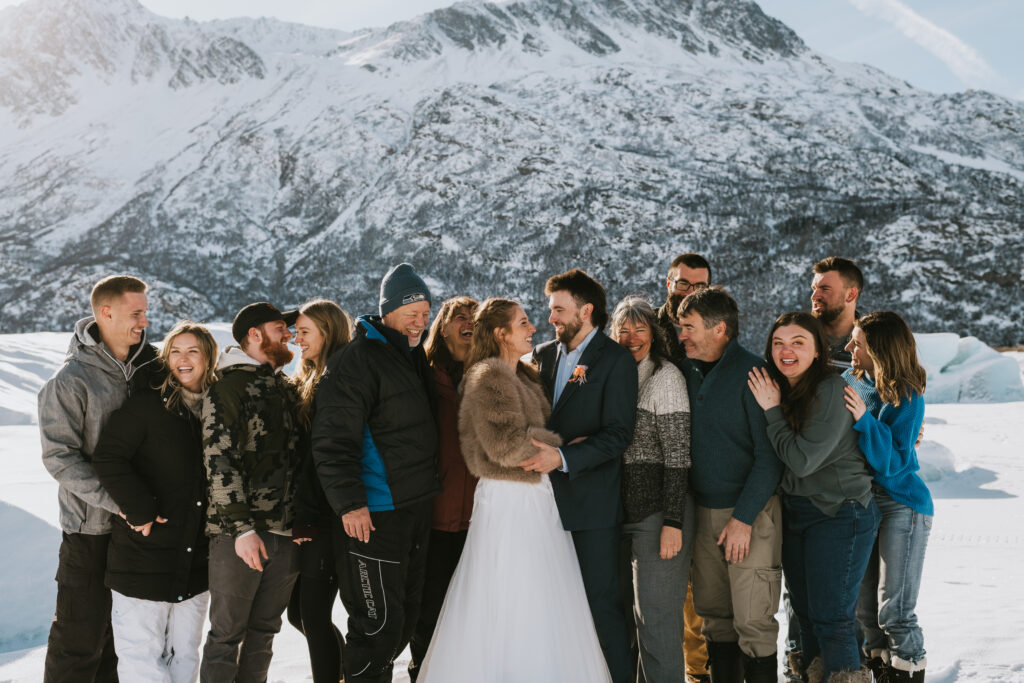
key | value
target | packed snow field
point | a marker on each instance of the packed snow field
(970, 598)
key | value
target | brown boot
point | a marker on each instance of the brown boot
(816, 671)
(862, 675)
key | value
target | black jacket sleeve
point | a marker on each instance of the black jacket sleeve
(344, 400)
(120, 440)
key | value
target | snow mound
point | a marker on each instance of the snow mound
(935, 460)
(26, 362)
(966, 370)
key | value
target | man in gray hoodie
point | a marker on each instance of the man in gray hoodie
(106, 351)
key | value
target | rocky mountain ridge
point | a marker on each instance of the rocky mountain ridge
(492, 145)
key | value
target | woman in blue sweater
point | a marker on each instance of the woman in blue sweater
(886, 399)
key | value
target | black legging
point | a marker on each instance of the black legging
(311, 605)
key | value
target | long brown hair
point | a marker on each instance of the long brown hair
(334, 325)
(798, 400)
(493, 314)
(170, 388)
(437, 351)
(891, 347)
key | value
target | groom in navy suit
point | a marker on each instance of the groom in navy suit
(592, 384)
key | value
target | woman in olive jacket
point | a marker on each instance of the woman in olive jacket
(830, 514)
(150, 459)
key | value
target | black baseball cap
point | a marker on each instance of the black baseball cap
(255, 315)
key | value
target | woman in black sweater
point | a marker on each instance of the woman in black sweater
(150, 459)
(321, 329)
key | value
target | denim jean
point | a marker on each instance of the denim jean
(825, 558)
(888, 594)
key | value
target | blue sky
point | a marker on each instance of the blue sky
(939, 45)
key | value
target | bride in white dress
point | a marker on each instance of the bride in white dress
(516, 610)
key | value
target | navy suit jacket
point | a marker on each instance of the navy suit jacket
(603, 409)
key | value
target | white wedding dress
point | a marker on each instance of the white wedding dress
(516, 610)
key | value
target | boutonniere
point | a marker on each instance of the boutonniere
(579, 374)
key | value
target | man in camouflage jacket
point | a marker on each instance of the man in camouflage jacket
(250, 449)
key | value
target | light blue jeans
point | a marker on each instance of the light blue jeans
(888, 594)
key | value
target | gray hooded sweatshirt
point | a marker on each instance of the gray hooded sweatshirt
(73, 407)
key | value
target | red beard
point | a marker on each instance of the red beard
(277, 353)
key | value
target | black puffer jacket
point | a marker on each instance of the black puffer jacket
(374, 435)
(150, 460)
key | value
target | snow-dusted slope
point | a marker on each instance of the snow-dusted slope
(492, 145)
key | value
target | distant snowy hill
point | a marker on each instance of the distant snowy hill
(491, 144)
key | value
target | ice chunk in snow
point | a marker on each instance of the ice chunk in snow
(966, 370)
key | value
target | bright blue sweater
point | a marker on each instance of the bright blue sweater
(886, 435)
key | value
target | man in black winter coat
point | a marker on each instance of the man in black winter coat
(375, 446)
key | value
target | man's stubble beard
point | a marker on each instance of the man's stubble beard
(827, 316)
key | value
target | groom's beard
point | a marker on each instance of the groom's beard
(569, 330)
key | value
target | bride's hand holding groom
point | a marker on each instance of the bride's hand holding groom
(548, 458)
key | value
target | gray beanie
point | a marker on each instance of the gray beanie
(402, 286)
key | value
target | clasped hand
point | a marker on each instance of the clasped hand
(143, 529)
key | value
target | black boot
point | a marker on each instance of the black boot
(901, 676)
(761, 669)
(725, 660)
(879, 669)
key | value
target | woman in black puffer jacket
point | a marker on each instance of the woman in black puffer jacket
(150, 459)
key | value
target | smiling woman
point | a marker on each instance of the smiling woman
(830, 513)
(150, 459)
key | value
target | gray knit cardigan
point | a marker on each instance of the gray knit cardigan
(657, 463)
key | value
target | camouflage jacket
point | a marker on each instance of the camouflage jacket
(250, 447)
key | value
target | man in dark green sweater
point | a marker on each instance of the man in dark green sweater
(737, 563)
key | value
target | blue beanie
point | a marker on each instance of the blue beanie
(402, 286)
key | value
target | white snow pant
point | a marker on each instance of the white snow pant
(158, 642)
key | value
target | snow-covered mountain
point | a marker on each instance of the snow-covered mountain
(492, 145)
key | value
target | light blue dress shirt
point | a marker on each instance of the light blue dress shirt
(567, 363)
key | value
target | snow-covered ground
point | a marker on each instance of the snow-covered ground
(971, 598)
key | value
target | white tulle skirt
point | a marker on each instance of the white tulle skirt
(516, 610)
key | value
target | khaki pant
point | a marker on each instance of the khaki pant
(694, 650)
(738, 601)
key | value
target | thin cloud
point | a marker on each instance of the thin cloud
(963, 60)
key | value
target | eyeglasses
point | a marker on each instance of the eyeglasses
(682, 285)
